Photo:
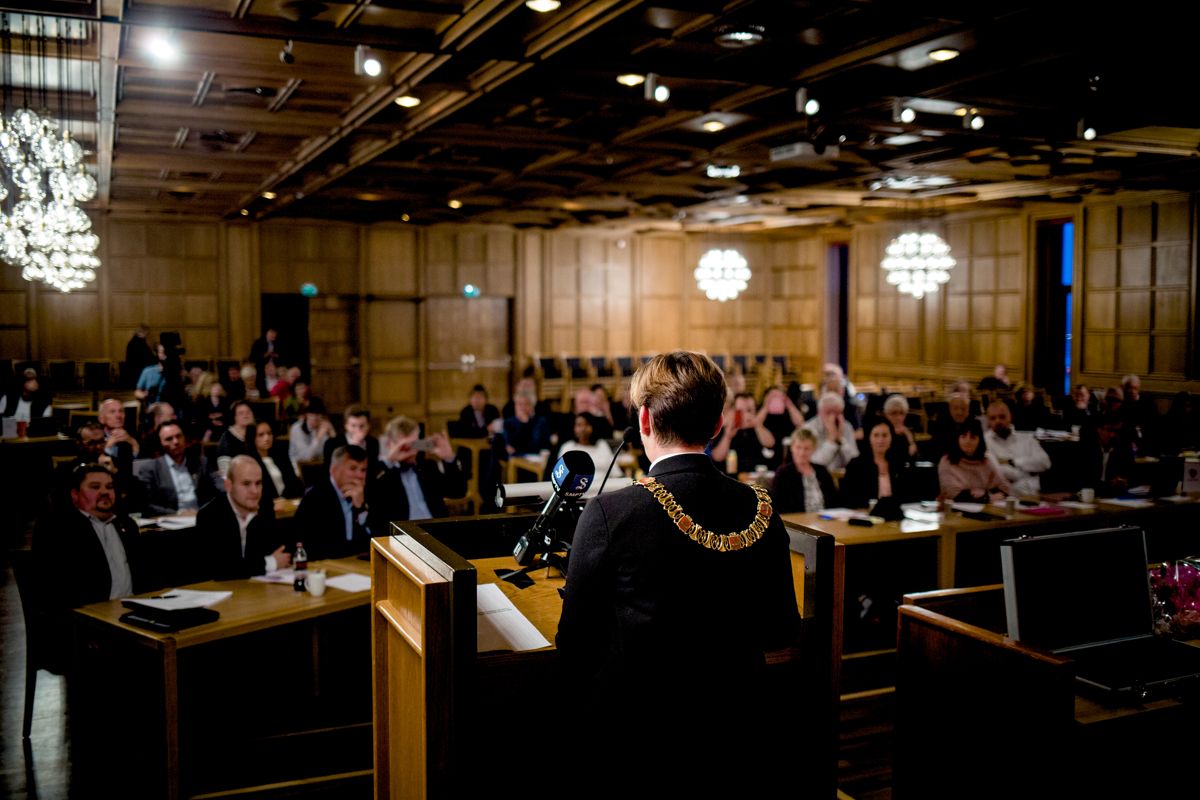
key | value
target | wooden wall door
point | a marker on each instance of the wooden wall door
(468, 341)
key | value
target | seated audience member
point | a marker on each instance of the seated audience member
(235, 388)
(541, 408)
(585, 441)
(997, 381)
(780, 416)
(201, 383)
(280, 479)
(249, 389)
(27, 403)
(234, 535)
(904, 444)
(413, 484)
(332, 519)
(1114, 400)
(152, 383)
(835, 383)
(961, 386)
(525, 431)
(89, 447)
(966, 473)
(307, 436)
(297, 399)
(1108, 461)
(945, 431)
(743, 432)
(584, 402)
(178, 481)
(118, 442)
(1017, 454)
(476, 418)
(86, 552)
(1141, 416)
(238, 438)
(272, 379)
(1029, 411)
(801, 485)
(1082, 409)
(836, 446)
(875, 474)
(616, 413)
(155, 416)
(356, 430)
(211, 414)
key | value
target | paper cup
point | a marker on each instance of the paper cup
(316, 582)
(1087, 495)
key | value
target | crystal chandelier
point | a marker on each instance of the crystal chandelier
(722, 274)
(918, 263)
(42, 178)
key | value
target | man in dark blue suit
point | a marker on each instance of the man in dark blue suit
(675, 590)
(238, 538)
(332, 519)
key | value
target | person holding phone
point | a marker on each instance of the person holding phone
(743, 432)
(780, 416)
(417, 475)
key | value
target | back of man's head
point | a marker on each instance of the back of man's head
(684, 393)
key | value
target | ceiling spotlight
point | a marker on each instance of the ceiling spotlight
(631, 79)
(907, 114)
(723, 171)
(245, 212)
(1085, 131)
(713, 125)
(943, 54)
(543, 6)
(735, 37)
(405, 217)
(366, 62)
(269, 195)
(161, 47)
(653, 90)
(961, 111)
(805, 104)
(455, 204)
(408, 101)
(286, 55)
(974, 122)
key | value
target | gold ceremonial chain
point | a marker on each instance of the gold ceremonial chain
(721, 542)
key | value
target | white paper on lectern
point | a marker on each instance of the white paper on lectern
(500, 625)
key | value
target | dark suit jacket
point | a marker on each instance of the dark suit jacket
(319, 523)
(158, 489)
(292, 485)
(469, 426)
(70, 559)
(389, 500)
(219, 541)
(663, 639)
(861, 482)
(788, 488)
(340, 440)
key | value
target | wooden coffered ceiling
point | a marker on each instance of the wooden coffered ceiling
(522, 120)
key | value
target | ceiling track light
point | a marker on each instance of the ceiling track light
(805, 104)
(902, 113)
(653, 90)
(543, 6)
(162, 47)
(944, 53)
(1085, 131)
(973, 121)
(736, 37)
(366, 62)
(631, 79)
(286, 55)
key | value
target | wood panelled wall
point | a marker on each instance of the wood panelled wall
(976, 320)
(610, 292)
(1138, 288)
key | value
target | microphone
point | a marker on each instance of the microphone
(570, 479)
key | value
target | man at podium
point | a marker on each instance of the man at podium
(675, 589)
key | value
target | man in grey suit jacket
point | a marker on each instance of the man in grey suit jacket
(174, 483)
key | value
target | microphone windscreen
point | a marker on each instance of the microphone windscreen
(573, 473)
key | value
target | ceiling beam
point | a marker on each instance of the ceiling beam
(110, 51)
(156, 115)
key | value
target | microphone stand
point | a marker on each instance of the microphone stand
(549, 553)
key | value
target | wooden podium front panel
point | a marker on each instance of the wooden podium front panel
(410, 674)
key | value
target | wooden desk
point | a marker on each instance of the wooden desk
(156, 665)
(979, 715)
(533, 463)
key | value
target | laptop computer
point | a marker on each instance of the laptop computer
(1086, 595)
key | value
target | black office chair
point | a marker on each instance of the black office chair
(35, 656)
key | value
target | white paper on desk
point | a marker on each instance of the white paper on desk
(177, 522)
(1075, 504)
(278, 576)
(500, 625)
(145, 522)
(970, 508)
(178, 599)
(1177, 498)
(350, 582)
(1131, 502)
(840, 513)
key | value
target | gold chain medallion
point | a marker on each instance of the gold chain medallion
(721, 542)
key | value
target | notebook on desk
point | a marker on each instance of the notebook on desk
(1086, 596)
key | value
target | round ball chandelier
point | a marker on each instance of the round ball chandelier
(43, 231)
(722, 274)
(918, 263)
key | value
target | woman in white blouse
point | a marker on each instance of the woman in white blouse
(279, 473)
(601, 453)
